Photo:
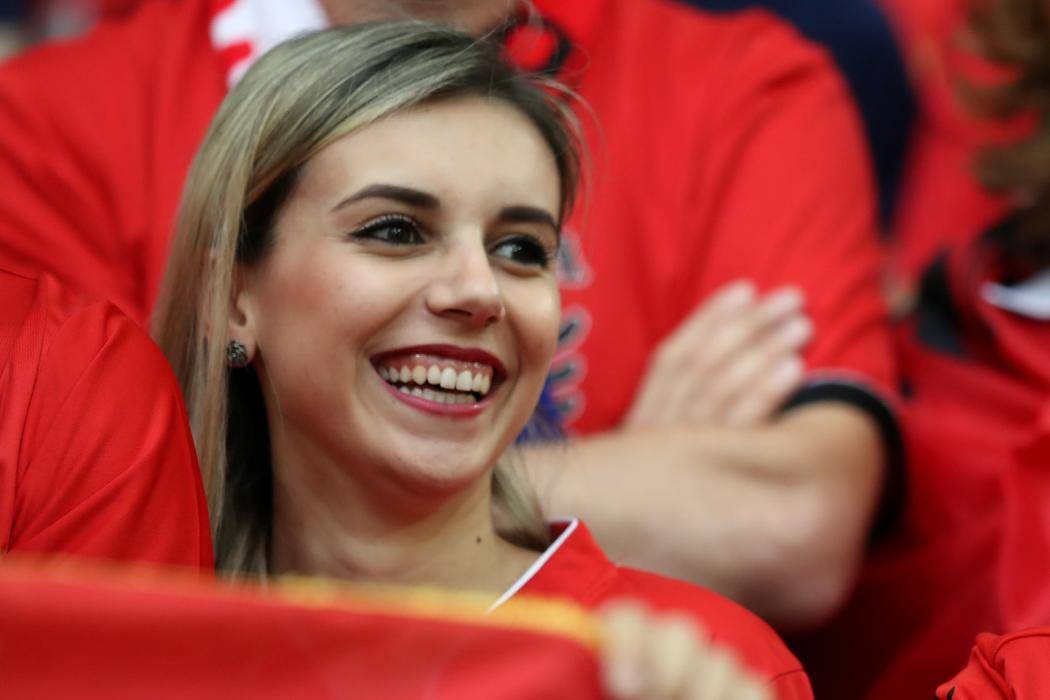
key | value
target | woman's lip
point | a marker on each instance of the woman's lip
(448, 410)
(452, 352)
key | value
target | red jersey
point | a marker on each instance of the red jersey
(1012, 667)
(726, 147)
(96, 457)
(575, 568)
(972, 553)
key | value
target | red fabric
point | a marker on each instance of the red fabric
(1012, 667)
(96, 136)
(96, 458)
(972, 553)
(126, 636)
(727, 147)
(579, 571)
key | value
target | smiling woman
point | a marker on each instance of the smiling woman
(360, 234)
(361, 308)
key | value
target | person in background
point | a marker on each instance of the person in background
(96, 457)
(675, 360)
(941, 200)
(863, 42)
(972, 554)
(361, 308)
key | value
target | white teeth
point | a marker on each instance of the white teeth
(429, 394)
(464, 381)
(416, 391)
(447, 378)
(403, 389)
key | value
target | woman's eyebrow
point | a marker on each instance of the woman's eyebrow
(407, 195)
(528, 215)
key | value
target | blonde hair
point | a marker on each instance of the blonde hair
(297, 99)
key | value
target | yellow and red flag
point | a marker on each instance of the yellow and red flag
(77, 631)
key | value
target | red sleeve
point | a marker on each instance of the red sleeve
(96, 135)
(107, 466)
(71, 168)
(787, 194)
(1014, 666)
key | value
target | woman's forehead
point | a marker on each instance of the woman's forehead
(457, 145)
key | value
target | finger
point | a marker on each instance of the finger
(713, 677)
(739, 333)
(658, 401)
(623, 631)
(773, 358)
(678, 383)
(725, 303)
(670, 656)
(726, 344)
(722, 335)
(763, 401)
(753, 690)
(756, 381)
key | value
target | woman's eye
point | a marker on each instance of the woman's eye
(523, 250)
(395, 230)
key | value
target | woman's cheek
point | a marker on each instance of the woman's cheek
(540, 309)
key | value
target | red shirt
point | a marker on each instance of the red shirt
(1011, 667)
(96, 457)
(972, 553)
(574, 567)
(728, 147)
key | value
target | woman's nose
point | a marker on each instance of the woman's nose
(466, 289)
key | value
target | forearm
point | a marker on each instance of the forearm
(774, 517)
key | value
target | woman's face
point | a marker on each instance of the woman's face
(406, 315)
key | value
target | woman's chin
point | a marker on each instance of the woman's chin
(441, 470)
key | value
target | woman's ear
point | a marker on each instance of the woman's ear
(241, 323)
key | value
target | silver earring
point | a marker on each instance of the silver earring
(236, 354)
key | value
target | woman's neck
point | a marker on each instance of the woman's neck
(330, 524)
